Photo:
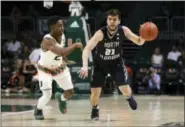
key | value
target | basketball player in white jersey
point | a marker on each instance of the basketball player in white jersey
(51, 66)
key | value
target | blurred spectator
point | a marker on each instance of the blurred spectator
(154, 81)
(32, 11)
(48, 4)
(181, 44)
(165, 10)
(4, 53)
(24, 53)
(181, 60)
(157, 59)
(174, 54)
(16, 14)
(13, 46)
(25, 74)
(75, 8)
(35, 54)
(28, 70)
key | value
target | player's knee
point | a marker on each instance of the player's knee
(47, 94)
(69, 93)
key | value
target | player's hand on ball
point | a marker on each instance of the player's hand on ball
(79, 45)
(83, 73)
(142, 39)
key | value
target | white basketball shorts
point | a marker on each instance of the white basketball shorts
(63, 80)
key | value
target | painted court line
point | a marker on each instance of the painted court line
(16, 113)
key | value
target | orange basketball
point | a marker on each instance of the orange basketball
(148, 31)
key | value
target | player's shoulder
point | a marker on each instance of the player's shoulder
(47, 36)
(103, 28)
(99, 34)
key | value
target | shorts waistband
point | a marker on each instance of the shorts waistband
(53, 71)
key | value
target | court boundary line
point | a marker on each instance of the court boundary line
(22, 112)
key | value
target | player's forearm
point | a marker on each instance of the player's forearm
(139, 41)
(85, 56)
(68, 50)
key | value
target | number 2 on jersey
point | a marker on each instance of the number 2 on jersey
(109, 52)
(57, 58)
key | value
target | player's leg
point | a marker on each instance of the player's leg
(45, 83)
(127, 92)
(123, 83)
(96, 86)
(65, 82)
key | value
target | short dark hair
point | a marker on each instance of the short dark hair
(114, 12)
(53, 20)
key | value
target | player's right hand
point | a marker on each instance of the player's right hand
(83, 73)
(79, 45)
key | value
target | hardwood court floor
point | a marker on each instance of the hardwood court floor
(114, 111)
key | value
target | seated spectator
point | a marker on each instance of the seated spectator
(75, 8)
(25, 74)
(154, 81)
(174, 54)
(24, 53)
(13, 46)
(35, 55)
(29, 71)
(157, 59)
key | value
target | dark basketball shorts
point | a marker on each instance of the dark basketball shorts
(119, 75)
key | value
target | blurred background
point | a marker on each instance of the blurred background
(23, 24)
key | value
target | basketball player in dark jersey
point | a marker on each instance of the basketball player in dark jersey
(108, 59)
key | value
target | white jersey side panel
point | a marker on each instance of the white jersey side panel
(50, 59)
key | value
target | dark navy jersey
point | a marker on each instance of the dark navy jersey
(109, 50)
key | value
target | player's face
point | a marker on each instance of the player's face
(59, 27)
(113, 22)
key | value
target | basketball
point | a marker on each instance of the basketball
(148, 31)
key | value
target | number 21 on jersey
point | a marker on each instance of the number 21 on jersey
(109, 52)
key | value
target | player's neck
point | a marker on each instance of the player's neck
(112, 31)
(54, 35)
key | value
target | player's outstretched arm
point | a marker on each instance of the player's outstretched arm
(49, 44)
(97, 37)
(133, 37)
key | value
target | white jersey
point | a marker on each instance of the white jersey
(49, 59)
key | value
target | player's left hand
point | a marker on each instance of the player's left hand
(83, 73)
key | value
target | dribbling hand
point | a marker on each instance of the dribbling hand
(83, 73)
